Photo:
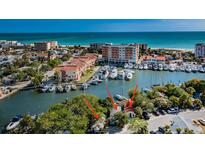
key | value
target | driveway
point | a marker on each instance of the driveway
(182, 120)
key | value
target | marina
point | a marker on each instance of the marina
(33, 102)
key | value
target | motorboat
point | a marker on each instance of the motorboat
(73, 87)
(121, 75)
(172, 67)
(84, 86)
(194, 68)
(51, 88)
(94, 82)
(188, 69)
(67, 88)
(141, 67)
(128, 76)
(135, 66)
(150, 66)
(145, 67)
(201, 69)
(166, 67)
(160, 67)
(59, 89)
(126, 65)
(104, 75)
(44, 89)
(155, 67)
(130, 66)
(119, 97)
(177, 68)
(129, 71)
(14, 122)
(182, 68)
(113, 74)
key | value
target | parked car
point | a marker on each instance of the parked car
(173, 110)
(202, 121)
(156, 113)
(152, 132)
(146, 115)
(195, 107)
(162, 112)
(161, 130)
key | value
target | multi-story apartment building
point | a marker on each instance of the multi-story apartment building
(53, 44)
(42, 46)
(98, 46)
(74, 68)
(120, 53)
(200, 50)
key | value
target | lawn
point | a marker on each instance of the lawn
(88, 74)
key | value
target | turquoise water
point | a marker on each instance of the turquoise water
(185, 40)
(33, 102)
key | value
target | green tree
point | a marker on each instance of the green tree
(190, 90)
(174, 100)
(198, 103)
(20, 76)
(188, 131)
(202, 97)
(54, 62)
(167, 129)
(37, 79)
(138, 112)
(138, 126)
(120, 119)
(179, 130)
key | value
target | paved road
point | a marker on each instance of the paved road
(183, 120)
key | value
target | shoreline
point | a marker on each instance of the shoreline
(17, 88)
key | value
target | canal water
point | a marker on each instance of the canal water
(33, 102)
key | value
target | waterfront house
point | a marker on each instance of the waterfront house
(152, 59)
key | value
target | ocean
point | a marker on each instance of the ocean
(182, 40)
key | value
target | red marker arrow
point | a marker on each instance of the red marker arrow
(91, 108)
(130, 101)
(110, 96)
(134, 93)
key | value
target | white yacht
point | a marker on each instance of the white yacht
(104, 74)
(141, 67)
(130, 66)
(155, 67)
(126, 65)
(160, 67)
(14, 122)
(145, 67)
(166, 67)
(84, 86)
(67, 88)
(59, 89)
(121, 75)
(194, 68)
(73, 87)
(172, 67)
(182, 68)
(113, 74)
(51, 88)
(44, 89)
(128, 76)
(136, 66)
(188, 69)
(201, 69)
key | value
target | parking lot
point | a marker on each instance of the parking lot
(182, 120)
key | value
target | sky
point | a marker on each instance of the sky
(99, 25)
